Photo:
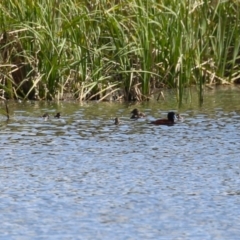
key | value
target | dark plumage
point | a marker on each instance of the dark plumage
(58, 115)
(169, 121)
(45, 115)
(116, 121)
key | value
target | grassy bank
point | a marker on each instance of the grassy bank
(116, 49)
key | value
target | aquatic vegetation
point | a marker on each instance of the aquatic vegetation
(110, 50)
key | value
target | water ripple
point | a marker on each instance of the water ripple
(82, 178)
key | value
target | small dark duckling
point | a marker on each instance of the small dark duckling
(137, 114)
(45, 116)
(169, 121)
(58, 115)
(116, 121)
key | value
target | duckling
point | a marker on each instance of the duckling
(116, 121)
(58, 115)
(137, 114)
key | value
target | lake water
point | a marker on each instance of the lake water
(82, 177)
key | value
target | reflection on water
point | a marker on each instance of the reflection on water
(82, 177)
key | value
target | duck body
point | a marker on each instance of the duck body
(169, 121)
(45, 115)
(116, 121)
(58, 115)
(137, 114)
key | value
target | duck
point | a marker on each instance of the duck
(171, 117)
(45, 116)
(137, 114)
(116, 121)
(58, 115)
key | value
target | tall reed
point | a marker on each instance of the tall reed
(116, 50)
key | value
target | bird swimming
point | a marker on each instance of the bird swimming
(137, 114)
(171, 117)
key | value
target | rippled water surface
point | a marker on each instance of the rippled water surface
(82, 177)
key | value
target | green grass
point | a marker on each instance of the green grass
(116, 49)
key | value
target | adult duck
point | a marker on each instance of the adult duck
(171, 117)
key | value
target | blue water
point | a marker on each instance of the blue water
(82, 177)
